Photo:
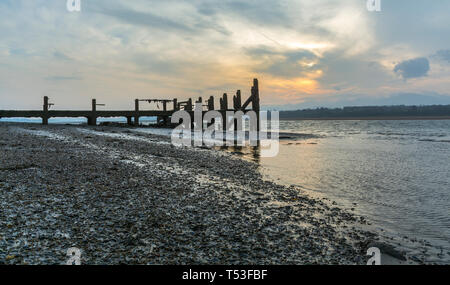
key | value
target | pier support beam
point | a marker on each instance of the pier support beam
(224, 102)
(129, 121)
(45, 108)
(164, 119)
(224, 108)
(92, 120)
(211, 103)
(255, 103)
(136, 109)
(237, 104)
(189, 105)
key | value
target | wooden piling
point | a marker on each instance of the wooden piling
(238, 100)
(255, 103)
(211, 103)
(45, 114)
(136, 109)
(189, 105)
(225, 101)
(92, 120)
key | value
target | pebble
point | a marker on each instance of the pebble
(124, 198)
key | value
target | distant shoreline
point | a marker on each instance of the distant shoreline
(369, 118)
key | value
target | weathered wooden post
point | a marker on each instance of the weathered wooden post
(225, 102)
(211, 103)
(224, 108)
(255, 102)
(164, 118)
(45, 114)
(189, 105)
(92, 120)
(136, 112)
(175, 104)
(189, 108)
(237, 106)
(238, 100)
(129, 121)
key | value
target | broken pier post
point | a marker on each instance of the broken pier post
(45, 115)
(255, 103)
(92, 119)
(136, 114)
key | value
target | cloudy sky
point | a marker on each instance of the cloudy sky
(305, 53)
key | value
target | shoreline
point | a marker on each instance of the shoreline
(126, 197)
(400, 118)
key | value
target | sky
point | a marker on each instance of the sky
(304, 53)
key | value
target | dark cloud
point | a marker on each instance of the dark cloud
(142, 18)
(191, 24)
(263, 12)
(413, 68)
(281, 64)
(443, 55)
(61, 56)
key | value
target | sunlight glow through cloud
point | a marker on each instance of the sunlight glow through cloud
(121, 50)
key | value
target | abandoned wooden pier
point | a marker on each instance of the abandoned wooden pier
(168, 108)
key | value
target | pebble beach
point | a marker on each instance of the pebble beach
(128, 197)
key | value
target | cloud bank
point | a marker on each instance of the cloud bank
(413, 68)
(319, 50)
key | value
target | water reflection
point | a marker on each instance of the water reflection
(252, 153)
(395, 173)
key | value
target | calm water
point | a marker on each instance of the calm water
(397, 172)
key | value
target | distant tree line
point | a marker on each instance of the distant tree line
(369, 111)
